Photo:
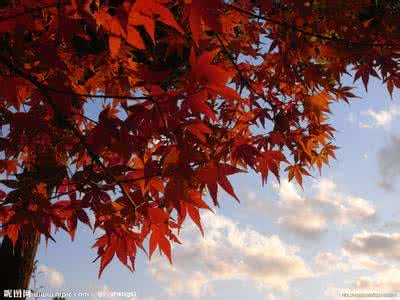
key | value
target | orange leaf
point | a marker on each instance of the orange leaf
(134, 38)
(106, 258)
(114, 44)
(157, 215)
(199, 130)
(154, 240)
(195, 216)
(198, 104)
(165, 247)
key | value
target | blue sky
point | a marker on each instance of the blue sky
(341, 233)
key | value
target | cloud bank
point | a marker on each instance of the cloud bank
(309, 215)
(229, 252)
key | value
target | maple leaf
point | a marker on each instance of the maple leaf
(106, 258)
(157, 238)
(195, 216)
(204, 12)
(297, 171)
(152, 8)
(199, 130)
(138, 107)
(210, 75)
(319, 102)
(134, 38)
(198, 104)
(270, 162)
(137, 19)
(115, 39)
(157, 215)
(214, 174)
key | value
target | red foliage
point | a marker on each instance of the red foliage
(193, 92)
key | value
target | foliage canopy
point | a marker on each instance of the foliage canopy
(192, 91)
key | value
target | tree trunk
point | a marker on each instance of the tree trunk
(16, 268)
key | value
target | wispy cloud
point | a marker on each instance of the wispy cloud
(310, 214)
(381, 118)
(388, 280)
(51, 277)
(384, 284)
(328, 262)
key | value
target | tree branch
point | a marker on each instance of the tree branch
(94, 156)
(239, 72)
(320, 36)
(43, 86)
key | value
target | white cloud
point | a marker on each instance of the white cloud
(344, 209)
(364, 262)
(292, 210)
(380, 119)
(327, 262)
(302, 218)
(325, 188)
(352, 209)
(376, 244)
(229, 252)
(309, 216)
(385, 281)
(382, 285)
(52, 277)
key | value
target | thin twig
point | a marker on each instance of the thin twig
(239, 72)
(127, 97)
(320, 36)
(94, 156)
